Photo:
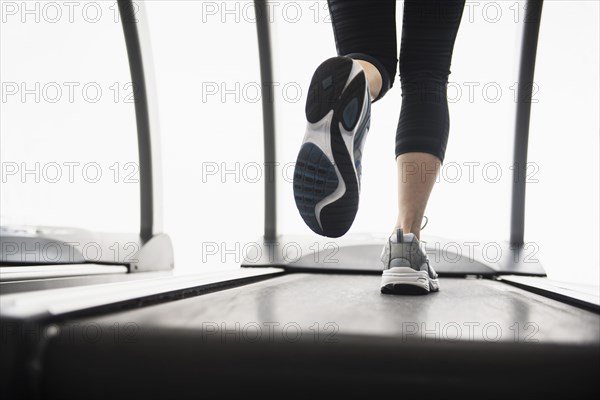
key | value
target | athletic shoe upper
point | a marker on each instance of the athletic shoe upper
(405, 250)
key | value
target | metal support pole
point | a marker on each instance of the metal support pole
(129, 20)
(531, 30)
(268, 108)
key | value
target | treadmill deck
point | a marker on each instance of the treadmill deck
(298, 333)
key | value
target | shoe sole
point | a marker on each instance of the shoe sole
(404, 280)
(326, 186)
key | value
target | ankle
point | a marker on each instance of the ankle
(374, 79)
(416, 233)
(408, 228)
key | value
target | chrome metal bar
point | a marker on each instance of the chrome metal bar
(268, 108)
(531, 30)
(133, 19)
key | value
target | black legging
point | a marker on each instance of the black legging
(366, 30)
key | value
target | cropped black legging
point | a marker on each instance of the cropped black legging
(366, 30)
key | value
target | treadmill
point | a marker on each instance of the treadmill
(288, 326)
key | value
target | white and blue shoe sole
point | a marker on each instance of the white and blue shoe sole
(326, 182)
(405, 280)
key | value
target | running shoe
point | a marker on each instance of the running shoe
(406, 268)
(328, 169)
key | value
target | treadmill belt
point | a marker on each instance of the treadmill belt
(338, 333)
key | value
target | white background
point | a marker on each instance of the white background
(199, 46)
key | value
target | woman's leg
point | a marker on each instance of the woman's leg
(417, 173)
(428, 33)
(365, 30)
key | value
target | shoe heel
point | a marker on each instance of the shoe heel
(404, 280)
(326, 86)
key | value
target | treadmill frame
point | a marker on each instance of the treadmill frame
(361, 252)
